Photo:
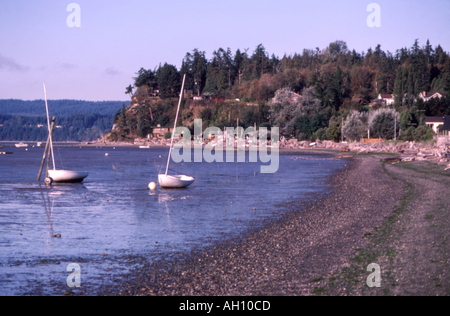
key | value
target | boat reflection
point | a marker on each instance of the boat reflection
(49, 195)
(48, 208)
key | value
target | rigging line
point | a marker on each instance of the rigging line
(174, 171)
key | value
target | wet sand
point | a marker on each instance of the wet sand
(395, 215)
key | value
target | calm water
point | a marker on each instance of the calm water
(112, 215)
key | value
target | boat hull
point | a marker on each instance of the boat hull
(175, 181)
(67, 176)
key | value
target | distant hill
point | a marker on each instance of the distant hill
(59, 107)
(77, 120)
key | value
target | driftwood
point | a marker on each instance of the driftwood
(396, 159)
(406, 151)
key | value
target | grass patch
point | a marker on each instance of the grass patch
(355, 275)
(317, 280)
(318, 291)
(381, 249)
(425, 167)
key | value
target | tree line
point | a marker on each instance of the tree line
(74, 127)
(58, 107)
(337, 73)
(333, 82)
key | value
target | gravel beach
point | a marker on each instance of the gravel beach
(394, 215)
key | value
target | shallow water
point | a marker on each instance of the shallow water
(112, 215)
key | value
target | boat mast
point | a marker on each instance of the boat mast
(175, 123)
(49, 132)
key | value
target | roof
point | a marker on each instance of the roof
(447, 123)
(431, 94)
(386, 96)
(434, 119)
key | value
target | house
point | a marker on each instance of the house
(154, 92)
(153, 89)
(158, 131)
(387, 99)
(426, 96)
(434, 122)
(447, 124)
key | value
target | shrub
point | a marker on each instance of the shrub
(382, 122)
(354, 126)
(421, 133)
(334, 129)
(320, 134)
(408, 134)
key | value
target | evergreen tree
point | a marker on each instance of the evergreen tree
(337, 79)
(429, 53)
(260, 62)
(168, 80)
(400, 86)
(410, 86)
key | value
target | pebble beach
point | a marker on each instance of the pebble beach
(393, 214)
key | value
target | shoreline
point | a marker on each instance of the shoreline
(324, 246)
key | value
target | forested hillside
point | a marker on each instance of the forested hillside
(75, 120)
(75, 127)
(333, 82)
(58, 107)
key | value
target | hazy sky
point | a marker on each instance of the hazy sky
(97, 60)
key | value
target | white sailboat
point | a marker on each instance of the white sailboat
(180, 180)
(60, 175)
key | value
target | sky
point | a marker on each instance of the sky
(98, 60)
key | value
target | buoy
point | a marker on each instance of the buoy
(106, 154)
(152, 186)
(48, 180)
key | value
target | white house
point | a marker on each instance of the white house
(425, 96)
(387, 99)
(434, 122)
